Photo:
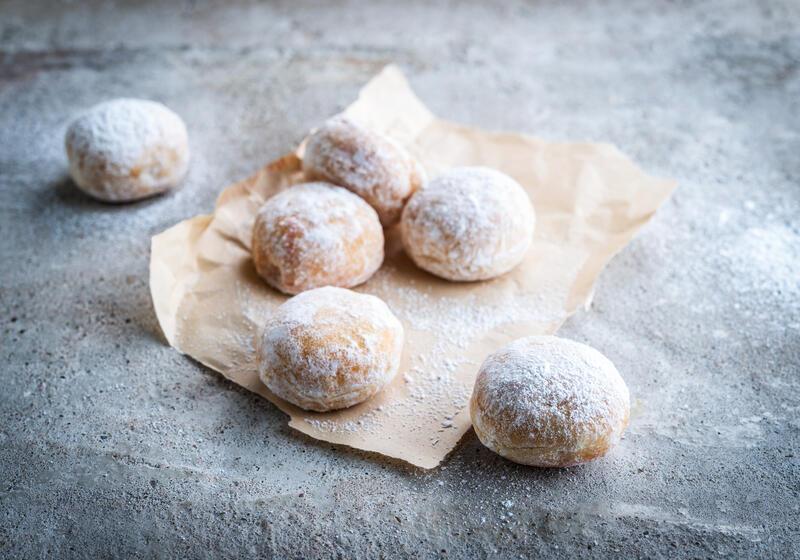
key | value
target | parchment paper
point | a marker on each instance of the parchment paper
(589, 199)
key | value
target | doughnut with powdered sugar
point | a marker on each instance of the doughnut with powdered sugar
(316, 234)
(127, 149)
(468, 224)
(549, 402)
(367, 163)
(330, 348)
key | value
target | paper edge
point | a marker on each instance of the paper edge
(582, 293)
(166, 308)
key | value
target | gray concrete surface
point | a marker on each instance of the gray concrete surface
(113, 445)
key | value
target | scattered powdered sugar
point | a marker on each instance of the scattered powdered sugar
(330, 348)
(431, 398)
(434, 383)
(443, 332)
(461, 318)
(558, 391)
(369, 422)
(770, 257)
(369, 164)
(464, 316)
(316, 234)
(471, 223)
(125, 148)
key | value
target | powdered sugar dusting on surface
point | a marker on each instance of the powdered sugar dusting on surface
(443, 333)
(471, 223)
(369, 164)
(557, 390)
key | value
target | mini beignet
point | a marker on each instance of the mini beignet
(468, 224)
(127, 149)
(316, 234)
(369, 164)
(549, 402)
(330, 348)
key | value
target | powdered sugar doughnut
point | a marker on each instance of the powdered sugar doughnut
(127, 149)
(330, 348)
(471, 223)
(549, 402)
(371, 165)
(316, 234)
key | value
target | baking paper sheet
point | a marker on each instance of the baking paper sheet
(589, 199)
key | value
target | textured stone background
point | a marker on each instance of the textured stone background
(111, 444)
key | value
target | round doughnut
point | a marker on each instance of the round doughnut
(316, 234)
(127, 149)
(549, 402)
(371, 165)
(471, 223)
(330, 348)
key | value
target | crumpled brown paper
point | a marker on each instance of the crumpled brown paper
(589, 199)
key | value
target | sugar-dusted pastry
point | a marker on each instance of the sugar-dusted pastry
(316, 234)
(330, 348)
(470, 223)
(127, 149)
(367, 163)
(549, 402)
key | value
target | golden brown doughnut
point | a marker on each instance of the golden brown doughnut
(330, 348)
(127, 149)
(316, 234)
(367, 163)
(470, 223)
(549, 402)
